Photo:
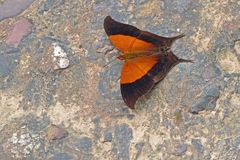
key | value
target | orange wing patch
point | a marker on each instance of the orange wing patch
(136, 68)
(130, 45)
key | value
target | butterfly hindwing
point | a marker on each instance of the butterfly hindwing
(141, 74)
(135, 81)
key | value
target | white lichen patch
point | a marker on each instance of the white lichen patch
(22, 144)
(60, 57)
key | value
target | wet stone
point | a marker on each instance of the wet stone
(11, 8)
(4, 70)
(192, 120)
(39, 90)
(45, 6)
(122, 137)
(211, 71)
(213, 90)
(8, 63)
(61, 156)
(108, 136)
(84, 144)
(183, 5)
(9, 55)
(200, 105)
(109, 85)
(207, 100)
(35, 124)
(32, 87)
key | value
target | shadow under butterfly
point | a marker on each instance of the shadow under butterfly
(147, 58)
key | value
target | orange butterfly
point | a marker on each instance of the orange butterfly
(147, 58)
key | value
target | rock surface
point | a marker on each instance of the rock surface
(53, 56)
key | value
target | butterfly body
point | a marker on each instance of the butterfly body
(147, 58)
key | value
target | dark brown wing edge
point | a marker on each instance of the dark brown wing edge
(165, 63)
(131, 92)
(113, 27)
(161, 42)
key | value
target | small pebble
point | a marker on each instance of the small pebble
(22, 28)
(55, 133)
(60, 57)
(180, 149)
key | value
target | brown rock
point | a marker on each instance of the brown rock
(22, 28)
(55, 133)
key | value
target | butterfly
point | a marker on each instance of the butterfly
(147, 58)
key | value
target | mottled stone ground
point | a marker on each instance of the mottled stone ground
(68, 105)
